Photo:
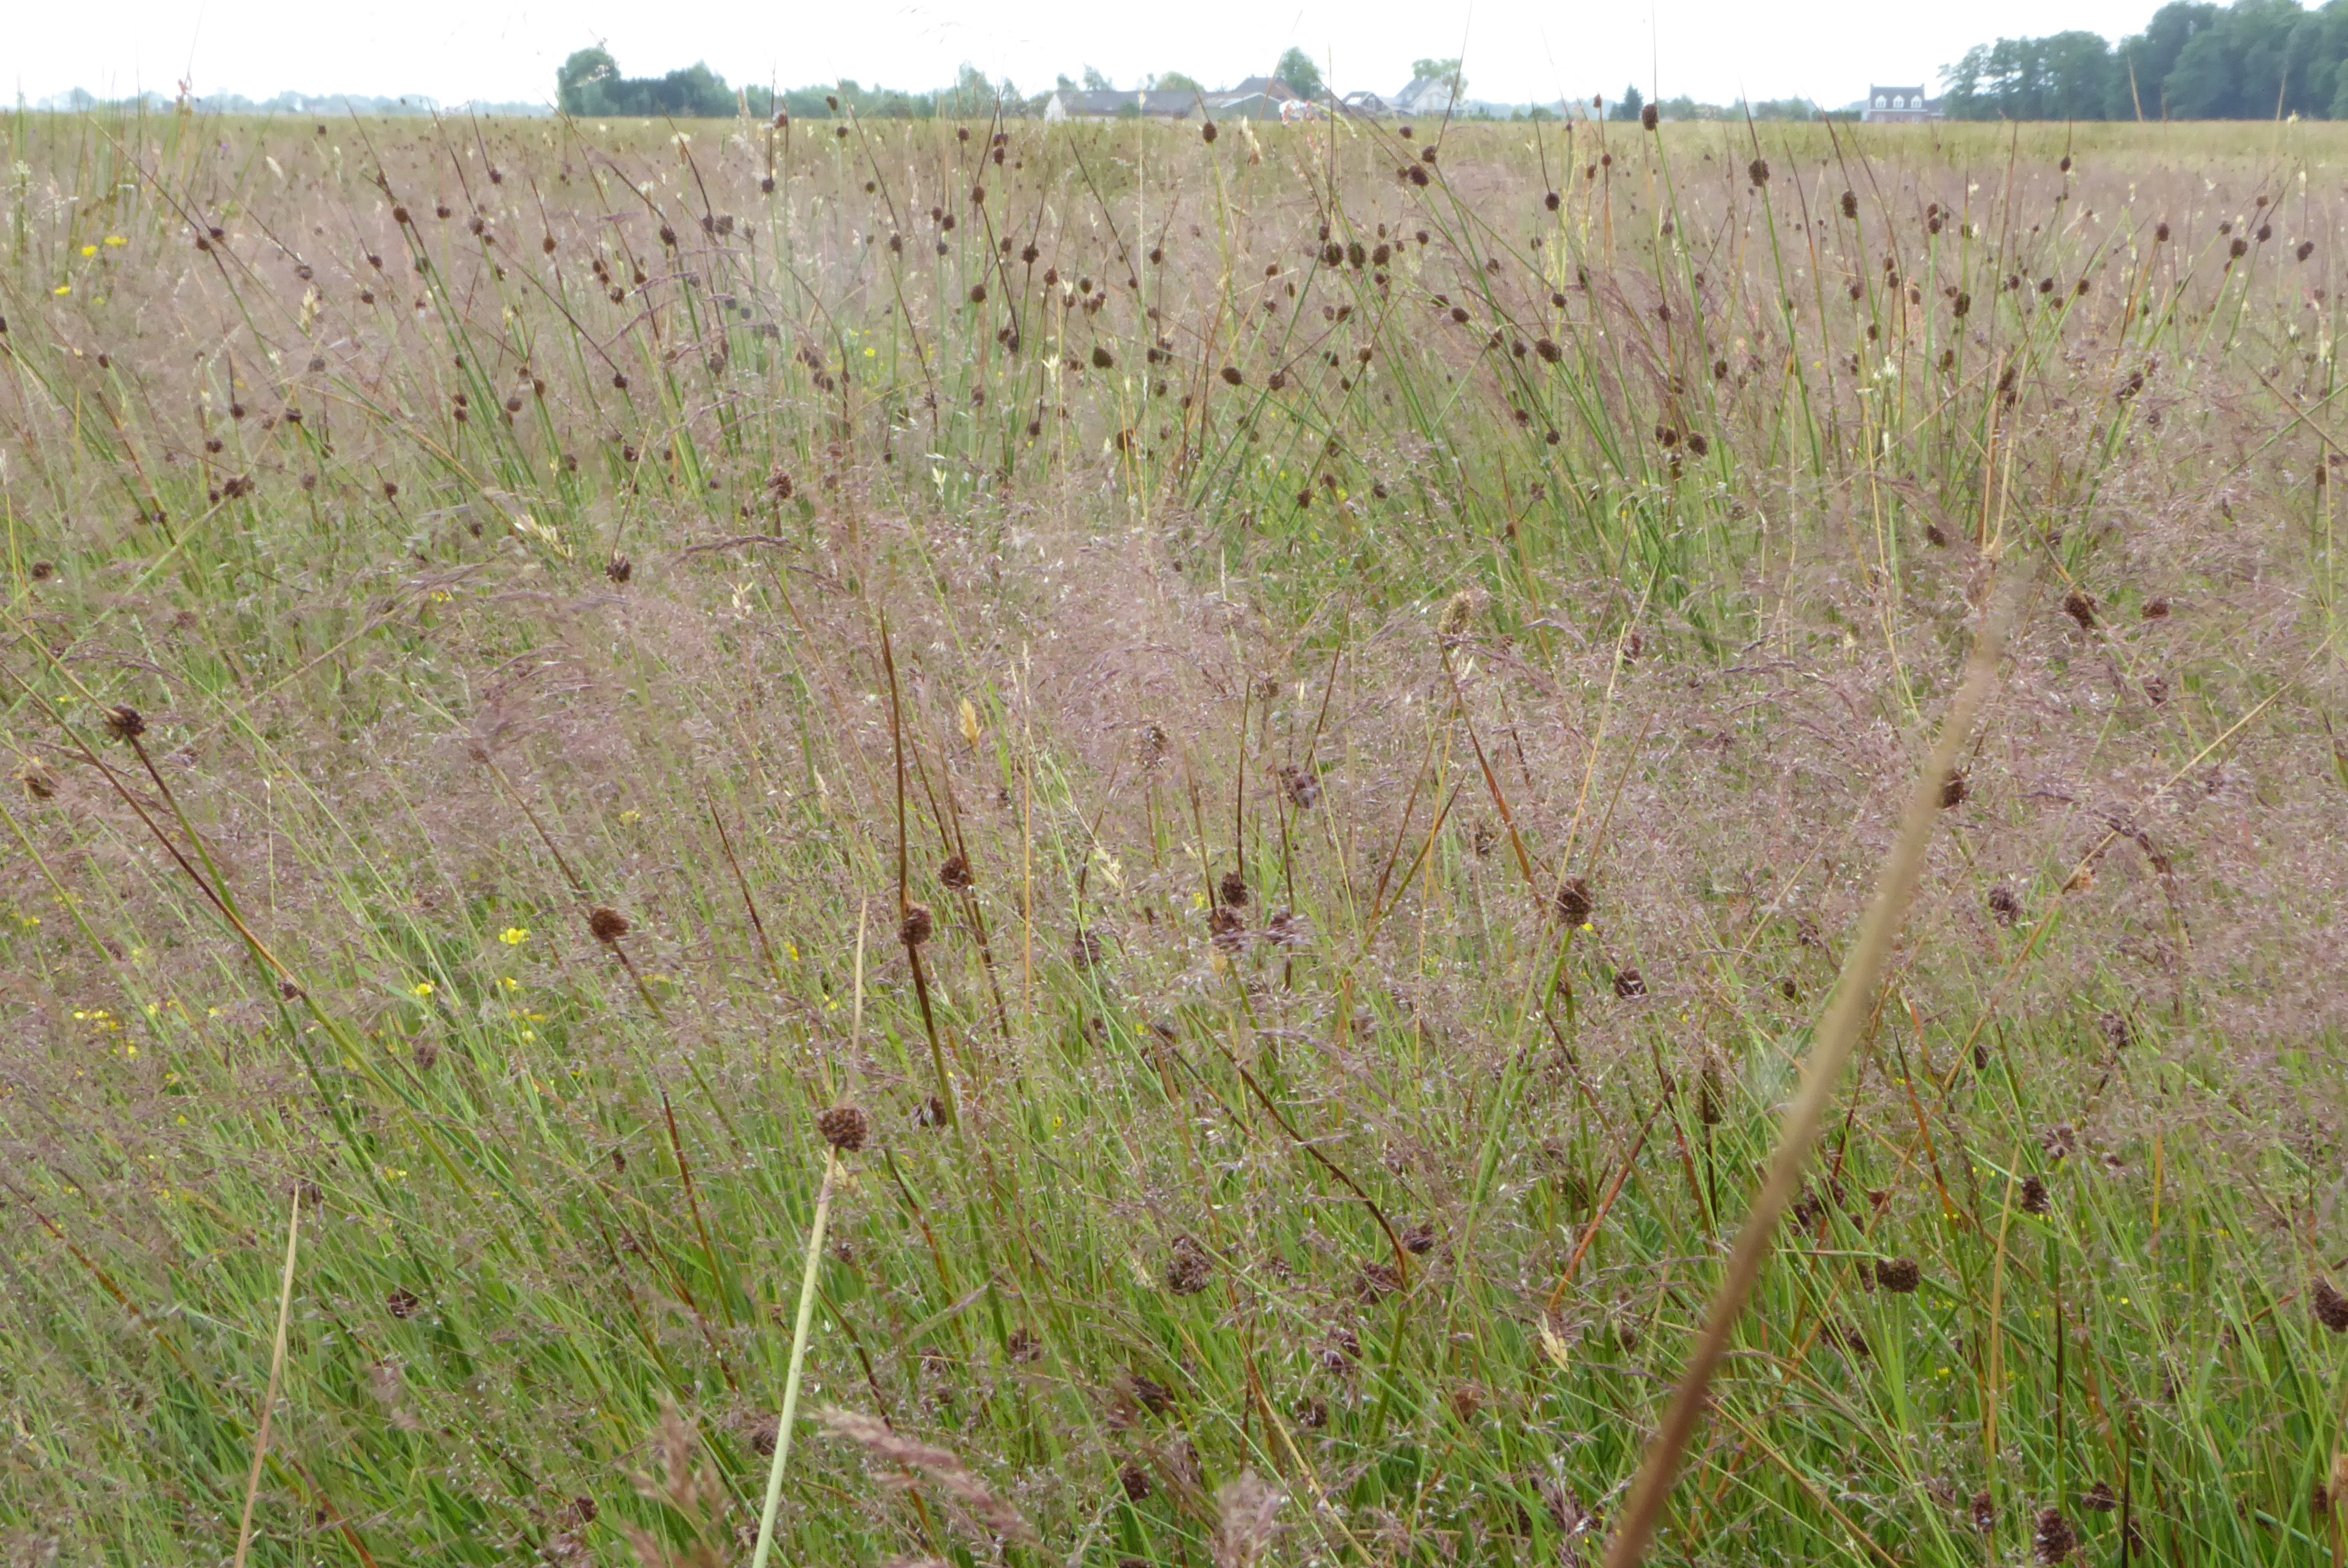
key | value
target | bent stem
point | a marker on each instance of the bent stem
(1837, 1031)
(799, 1361)
(276, 1371)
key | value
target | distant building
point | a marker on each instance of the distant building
(1900, 105)
(1367, 106)
(1269, 87)
(1257, 97)
(1426, 96)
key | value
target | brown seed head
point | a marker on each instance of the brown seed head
(401, 1303)
(1851, 203)
(2331, 1307)
(2035, 1200)
(2054, 1537)
(1572, 901)
(2080, 608)
(916, 926)
(1985, 1512)
(1233, 889)
(38, 782)
(1758, 171)
(1900, 1276)
(1628, 983)
(844, 1127)
(1206, 133)
(1188, 1271)
(1132, 1477)
(2099, 1497)
(955, 873)
(606, 925)
(1954, 790)
(124, 722)
(1649, 117)
(619, 569)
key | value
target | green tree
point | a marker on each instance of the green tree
(1631, 104)
(578, 85)
(1297, 69)
(1175, 82)
(1097, 83)
(1441, 71)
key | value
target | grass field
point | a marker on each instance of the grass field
(1300, 723)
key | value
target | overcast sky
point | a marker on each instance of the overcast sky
(1516, 50)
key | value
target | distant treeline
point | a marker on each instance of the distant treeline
(2255, 59)
(590, 83)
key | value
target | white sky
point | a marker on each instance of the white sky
(1516, 50)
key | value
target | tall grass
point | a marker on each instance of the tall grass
(1390, 676)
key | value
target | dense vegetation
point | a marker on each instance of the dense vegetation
(2255, 59)
(1247, 761)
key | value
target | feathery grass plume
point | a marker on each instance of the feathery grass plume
(906, 1461)
(688, 1487)
(1247, 1512)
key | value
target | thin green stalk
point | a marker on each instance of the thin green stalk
(808, 1276)
(276, 1372)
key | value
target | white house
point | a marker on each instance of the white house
(1426, 96)
(1900, 105)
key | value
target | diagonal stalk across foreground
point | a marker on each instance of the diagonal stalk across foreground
(1854, 996)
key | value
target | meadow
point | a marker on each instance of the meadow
(1241, 764)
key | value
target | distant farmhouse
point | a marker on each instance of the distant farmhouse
(1257, 97)
(1900, 105)
(1426, 95)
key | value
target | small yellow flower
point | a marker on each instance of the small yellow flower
(62, 290)
(514, 936)
(871, 353)
(510, 983)
(422, 988)
(117, 241)
(630, 817)
(90, 249)
(132, 1051)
